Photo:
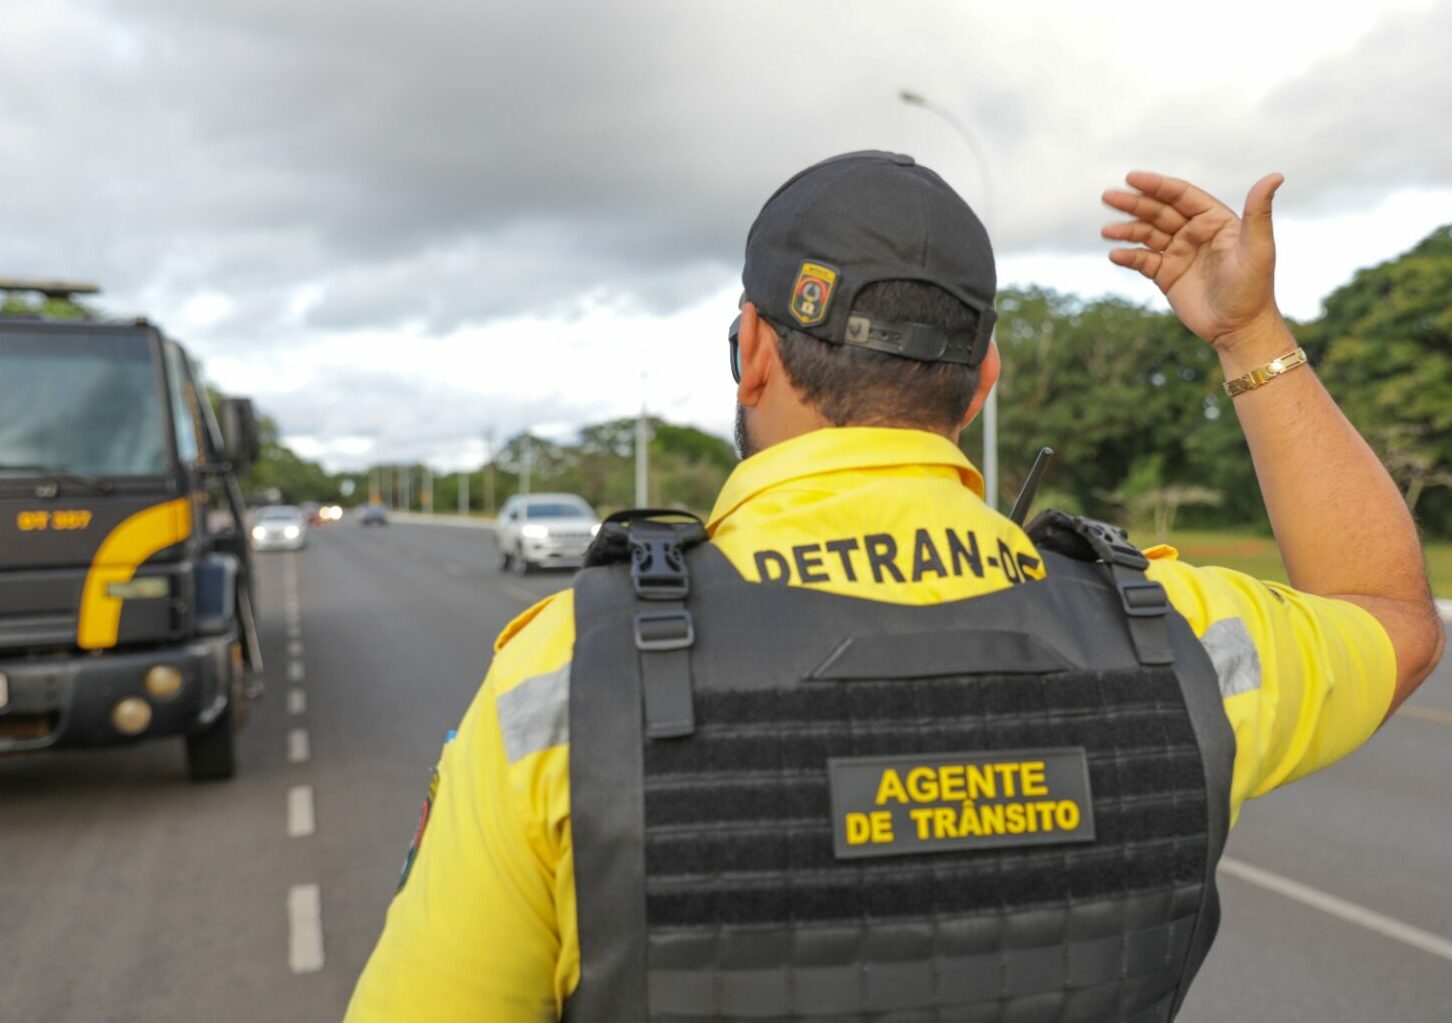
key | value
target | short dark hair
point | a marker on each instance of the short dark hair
(853, 386)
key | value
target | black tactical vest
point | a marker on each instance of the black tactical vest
(731, 742)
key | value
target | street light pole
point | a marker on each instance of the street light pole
(642, 452)
(990, 407)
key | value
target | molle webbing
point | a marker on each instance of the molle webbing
(741, 910)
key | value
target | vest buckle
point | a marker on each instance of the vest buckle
(657, 563)
(664, 630)
(1144, 599)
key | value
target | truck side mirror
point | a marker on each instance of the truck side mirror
(240, 438)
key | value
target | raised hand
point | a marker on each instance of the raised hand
(1216, 269)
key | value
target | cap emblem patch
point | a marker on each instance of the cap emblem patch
(812, 293)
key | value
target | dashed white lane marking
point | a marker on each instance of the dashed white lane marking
(297, 701)
(451, 568)
(294, 648)
(304, 928)
(1426, 941)
(294, 630)
(519, 593)
(298, 748)
(300, 821)
(1441, 717)
(295, 671)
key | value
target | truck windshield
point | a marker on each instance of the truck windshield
(78, 402)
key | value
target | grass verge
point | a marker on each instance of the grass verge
(1258, 556)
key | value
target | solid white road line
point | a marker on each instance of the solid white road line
(300, 821)
(295, 671)
(1426, 941)
(1442, 717)
(297, 701)
(304, 928)
(294, 648)
(298, 748)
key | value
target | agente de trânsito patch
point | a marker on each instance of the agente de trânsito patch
(892, 806)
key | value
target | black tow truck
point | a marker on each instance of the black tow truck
(126, 605)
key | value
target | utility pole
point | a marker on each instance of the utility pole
(489, 471)
(385, 475)
(642, 452)
(528, 443)
(408, 488)
(463, 493)
(990, 407)
(428, 490)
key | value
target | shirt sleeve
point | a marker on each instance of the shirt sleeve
(474, 932)
(1304, 679)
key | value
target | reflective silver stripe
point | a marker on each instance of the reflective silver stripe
(535, 714)
(1233, 652)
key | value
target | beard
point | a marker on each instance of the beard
(744, 445)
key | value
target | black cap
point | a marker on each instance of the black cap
(864, 217)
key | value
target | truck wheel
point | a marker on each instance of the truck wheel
(505, 561)
(522, 564)
(211, 753)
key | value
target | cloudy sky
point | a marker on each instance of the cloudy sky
(402, 225)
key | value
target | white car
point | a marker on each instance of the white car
(543, 530)
(279, 527)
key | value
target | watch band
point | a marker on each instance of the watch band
(1262, 375)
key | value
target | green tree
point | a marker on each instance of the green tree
(1384, 348)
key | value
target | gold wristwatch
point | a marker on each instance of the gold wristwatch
(1262, 375)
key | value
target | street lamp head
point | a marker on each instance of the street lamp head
(908, 96)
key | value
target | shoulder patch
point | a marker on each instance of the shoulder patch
(530, 614)
(418, 834)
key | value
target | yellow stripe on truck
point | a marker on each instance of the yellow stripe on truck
(121, 554)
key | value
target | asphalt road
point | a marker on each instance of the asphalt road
(128, 894)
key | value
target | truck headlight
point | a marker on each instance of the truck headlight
(534, 531)
(292, 532)
(162, 681)
(131, 716)
(258, 533)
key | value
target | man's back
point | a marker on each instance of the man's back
(890, 516)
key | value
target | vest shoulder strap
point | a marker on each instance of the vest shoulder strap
(655, 542)
(1145, 603)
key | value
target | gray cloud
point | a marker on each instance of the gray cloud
(347, 163)
(460, 160)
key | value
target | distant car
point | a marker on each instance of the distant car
(372, 515)
(539, 530)
(311, 512)
(279, 527)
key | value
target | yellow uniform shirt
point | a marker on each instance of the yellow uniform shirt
(484, 927)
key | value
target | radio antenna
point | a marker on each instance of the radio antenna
(1030, 486)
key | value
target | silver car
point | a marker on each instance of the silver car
(541, 530)
(279, 527)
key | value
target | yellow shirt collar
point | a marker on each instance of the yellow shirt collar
(839, 449)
